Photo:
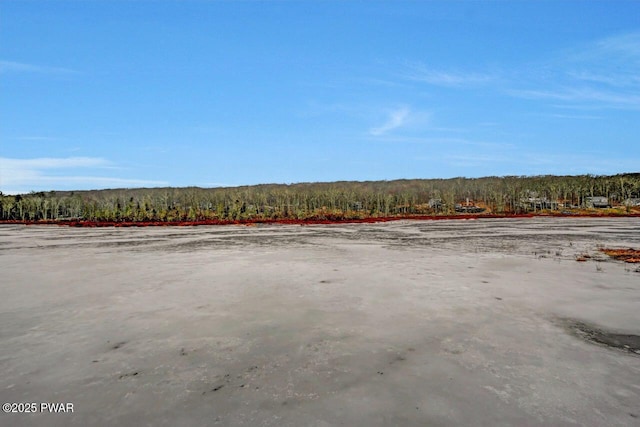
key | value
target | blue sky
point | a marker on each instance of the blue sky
(107, 94)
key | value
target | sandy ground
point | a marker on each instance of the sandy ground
(441, 323)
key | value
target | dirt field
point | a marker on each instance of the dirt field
(416, 323)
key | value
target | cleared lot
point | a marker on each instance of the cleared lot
(487, 322)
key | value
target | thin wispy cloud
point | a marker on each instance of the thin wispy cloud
(383, 82)
(616, 80)
(36, 138)
(418, 139)
(576, 116)
(396, 119)
(51, 163)
(441, 141)
(600, 98)
(624, 44)
(602, 75)
(421, 73)
(596, 163)
(47, 173)
(539, 163)
(21, 67)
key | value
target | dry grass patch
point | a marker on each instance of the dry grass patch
(627, 255)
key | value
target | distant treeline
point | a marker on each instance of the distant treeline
(335, 200)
